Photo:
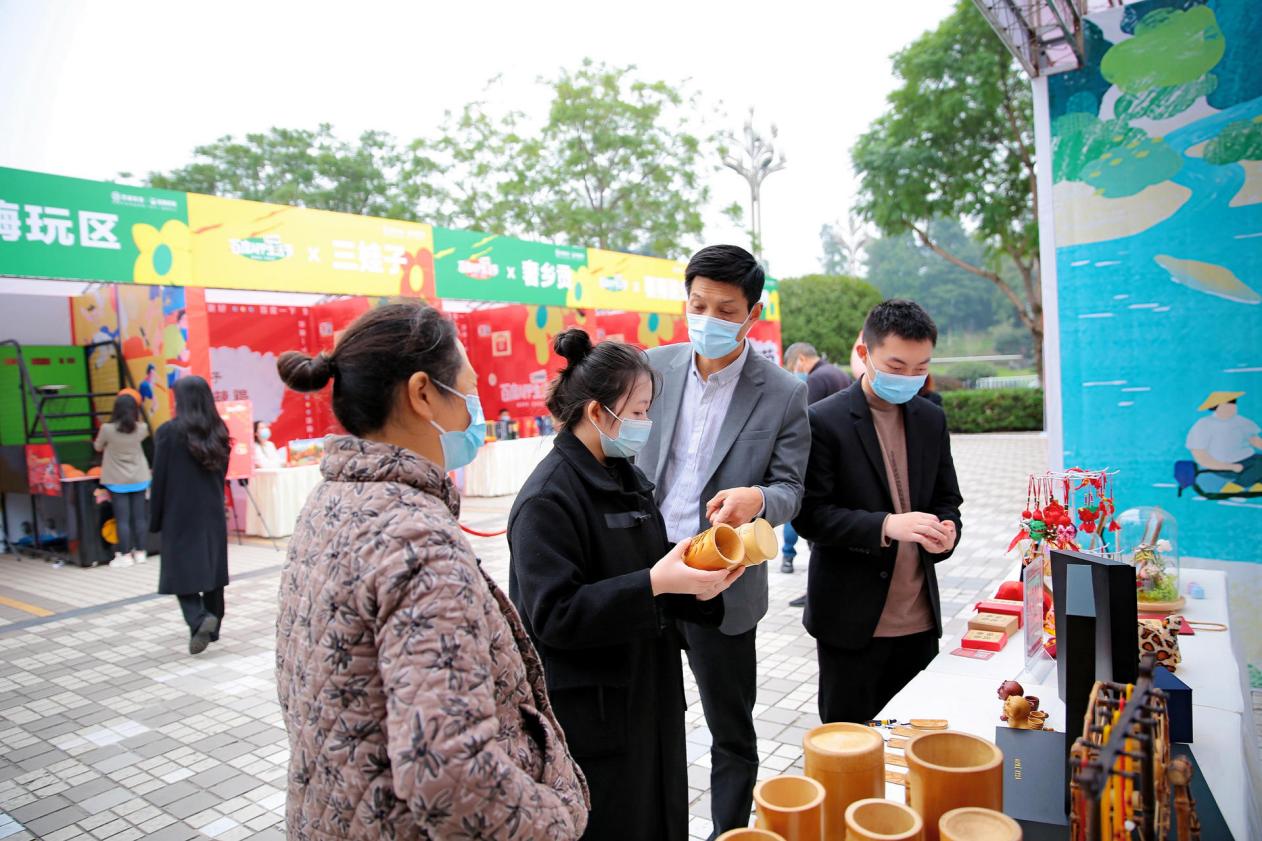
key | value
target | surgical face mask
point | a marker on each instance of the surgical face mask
(895, 388)
(265, 434)
(461, 446)
(632, 436)
(713, 338)
(801, 375)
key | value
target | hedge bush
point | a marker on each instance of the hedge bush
(972, 370)
(994, 410)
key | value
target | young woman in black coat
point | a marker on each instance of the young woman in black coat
(600, 589)
(186, 506)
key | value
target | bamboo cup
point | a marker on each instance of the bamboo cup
(792, 806)
(875, 819)
(973, 824)
(716, 548)
(749, 834)
(947, 770)
(848, 760)
(759, 540)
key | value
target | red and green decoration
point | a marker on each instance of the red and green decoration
(1062, 507)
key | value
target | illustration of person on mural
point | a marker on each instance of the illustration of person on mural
(1226, 443)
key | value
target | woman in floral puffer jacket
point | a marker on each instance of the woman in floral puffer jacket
(414, 701)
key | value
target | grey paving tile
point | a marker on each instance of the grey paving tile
(39, 808)
(192, 804)
(171, 793)
(106, 800)
(60, 819)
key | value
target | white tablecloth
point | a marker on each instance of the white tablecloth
(280, 494)
(502, 467)
(963, 691)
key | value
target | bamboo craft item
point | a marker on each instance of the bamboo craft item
(716, 548)
(759, 540)
(749, 834)
(791, 806)
(973, 824)
(875, 819)
(848, 760)
(947, 770)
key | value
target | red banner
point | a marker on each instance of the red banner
(239, 417)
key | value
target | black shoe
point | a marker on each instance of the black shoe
(201, 637)
(800, 601)
(786, 566)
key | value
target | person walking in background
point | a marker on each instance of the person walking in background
(413, 699)
(125, 475)
(930, 392)
(882, 507)
(264, 452)
(729, 443)
(599, 587)
(823, 379)
(190, 466)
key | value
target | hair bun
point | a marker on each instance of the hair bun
(303, 372)
(574, 345)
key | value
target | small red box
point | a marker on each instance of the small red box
(1008, 607)
(985, 640)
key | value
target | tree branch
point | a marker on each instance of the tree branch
(993, 277)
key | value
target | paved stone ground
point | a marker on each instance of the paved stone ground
(110, 730)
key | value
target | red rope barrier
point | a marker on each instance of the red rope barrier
(468, 530)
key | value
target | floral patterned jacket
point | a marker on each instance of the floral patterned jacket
(414, 701)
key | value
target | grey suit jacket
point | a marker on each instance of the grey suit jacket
(764, 442)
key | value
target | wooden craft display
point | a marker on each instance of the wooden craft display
(973, 824)
(749, 833)
(716, 548)
(1002, 623)
(791, 806)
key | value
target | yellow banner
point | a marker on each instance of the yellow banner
(616, 281)
(250, 245)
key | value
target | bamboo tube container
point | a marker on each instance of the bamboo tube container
(875, 819)
(848, 760)
(716, 548)
(759, 540)
(749, 834)
(973, 824)
(791, 806)
(947, 770)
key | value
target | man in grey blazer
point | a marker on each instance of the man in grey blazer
(730, 443)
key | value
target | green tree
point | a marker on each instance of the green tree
(613, 164)
(957, 143)
(825, 310)
(304, 167)
(959, 301)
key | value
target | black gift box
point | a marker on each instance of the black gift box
(1178, 702)
(1034, 782)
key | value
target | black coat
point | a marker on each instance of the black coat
(846, 502)
(825, 380)
(186, 504)
(583, 537)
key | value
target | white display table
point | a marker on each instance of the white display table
(963, 691)
(502, 467)
(280, 494)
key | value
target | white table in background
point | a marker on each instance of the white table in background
(280, 494)
(502, 467)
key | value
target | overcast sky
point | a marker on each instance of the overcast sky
(91, 89)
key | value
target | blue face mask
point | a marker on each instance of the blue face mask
(265, 434)
(632, 436)
(801, 375)
(895, 388)
(713, 338)
(461, 446)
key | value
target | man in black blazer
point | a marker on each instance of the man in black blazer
(882, 507)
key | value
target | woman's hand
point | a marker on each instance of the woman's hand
(672, 575)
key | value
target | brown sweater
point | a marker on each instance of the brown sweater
(907, 609)
(124, 461)
(414, 701)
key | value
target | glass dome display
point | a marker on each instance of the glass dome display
(1149, 540)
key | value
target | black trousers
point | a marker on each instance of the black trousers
(854, 684)
(197, 606)
(131, 517)
(726, 671)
